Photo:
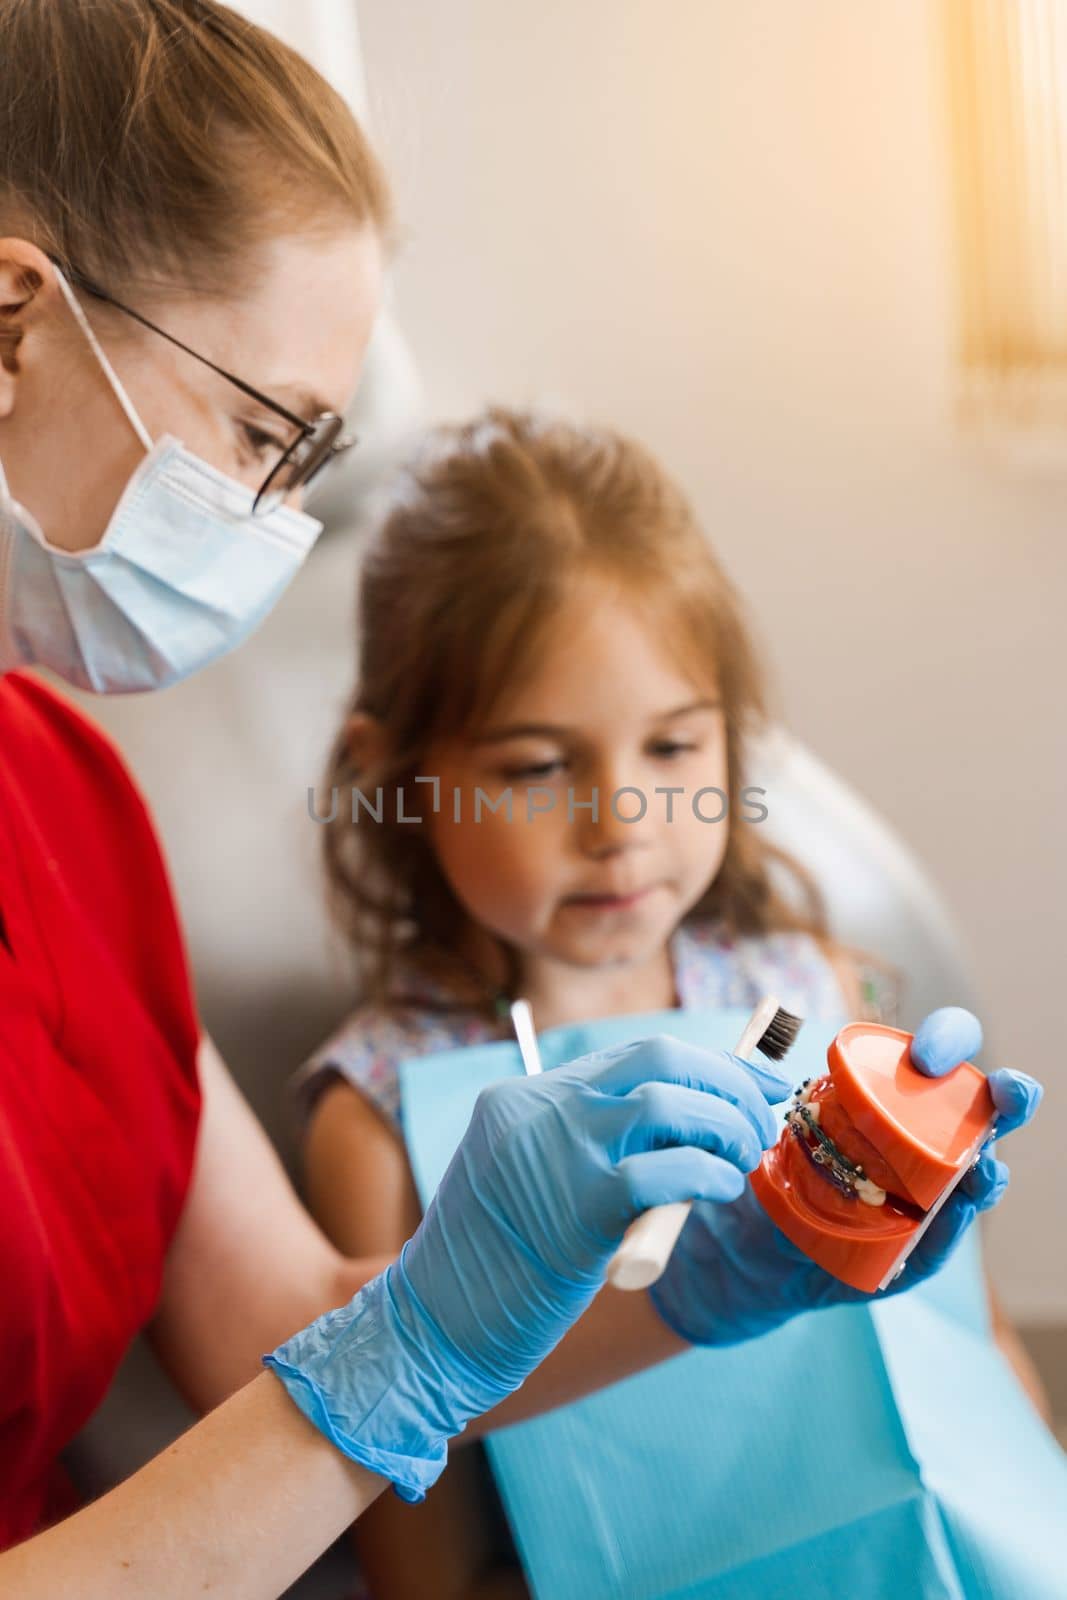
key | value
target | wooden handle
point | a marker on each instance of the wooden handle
(647, 1245)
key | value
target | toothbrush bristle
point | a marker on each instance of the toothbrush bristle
(780, 1034)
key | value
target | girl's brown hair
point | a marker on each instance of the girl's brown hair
(480, 543)
(143, 140)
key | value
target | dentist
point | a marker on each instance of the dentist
(192, 234)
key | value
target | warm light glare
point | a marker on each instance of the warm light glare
(1008, 99)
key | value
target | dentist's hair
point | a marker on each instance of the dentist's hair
(481, 540)
(148, 140)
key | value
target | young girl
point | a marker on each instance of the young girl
(543, 621)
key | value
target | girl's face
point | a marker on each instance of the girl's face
(298, 336)
(605, 709)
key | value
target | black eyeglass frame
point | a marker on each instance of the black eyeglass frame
(324, 439)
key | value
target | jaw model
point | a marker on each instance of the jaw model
(870, 1153)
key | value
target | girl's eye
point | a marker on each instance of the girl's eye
(669, 748)
(532, 774)
(263, 446)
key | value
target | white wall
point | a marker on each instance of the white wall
(725, 227)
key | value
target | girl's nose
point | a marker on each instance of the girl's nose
(619, 820)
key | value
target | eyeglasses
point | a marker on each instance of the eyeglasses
(317, 443)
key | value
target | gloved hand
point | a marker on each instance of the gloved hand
(516, 1242)
(734, 1274)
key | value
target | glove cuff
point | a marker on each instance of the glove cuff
(379, 1379)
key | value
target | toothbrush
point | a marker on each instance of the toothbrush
(646, 1248)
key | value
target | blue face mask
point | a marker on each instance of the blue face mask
(183, 573)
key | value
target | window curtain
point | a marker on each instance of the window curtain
(1007, 83)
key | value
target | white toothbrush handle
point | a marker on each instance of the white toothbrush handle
(646, 1248)
(647, 1245)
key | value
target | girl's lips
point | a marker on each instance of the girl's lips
(607, 902)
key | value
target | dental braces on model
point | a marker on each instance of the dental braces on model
(802, 1119)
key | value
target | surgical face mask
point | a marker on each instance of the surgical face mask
(183, 573)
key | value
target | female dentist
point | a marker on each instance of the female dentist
(192, 232)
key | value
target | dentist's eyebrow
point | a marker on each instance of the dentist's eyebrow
(297, 398)
(556, 730)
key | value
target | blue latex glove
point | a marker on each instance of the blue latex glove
(517, 1240)
(734, 1274)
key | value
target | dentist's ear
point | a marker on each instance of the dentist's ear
(27, 284)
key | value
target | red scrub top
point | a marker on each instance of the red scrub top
(99, 1099)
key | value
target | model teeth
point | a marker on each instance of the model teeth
(803, 1118)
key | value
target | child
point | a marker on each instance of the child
(541, 616)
